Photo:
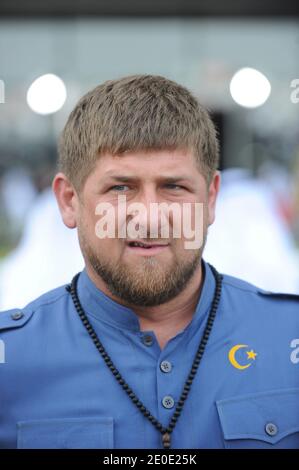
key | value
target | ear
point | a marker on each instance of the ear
(67, 199)
(213, 191)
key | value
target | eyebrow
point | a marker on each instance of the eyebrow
(169, 179)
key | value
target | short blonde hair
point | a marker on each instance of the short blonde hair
(136, 113)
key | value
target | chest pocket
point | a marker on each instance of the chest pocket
(74, 433)
(263, 420)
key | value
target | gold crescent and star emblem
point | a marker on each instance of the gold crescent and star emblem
(232, 359)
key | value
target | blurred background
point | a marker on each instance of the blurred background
(242, 61)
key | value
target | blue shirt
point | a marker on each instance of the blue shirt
(57, 392)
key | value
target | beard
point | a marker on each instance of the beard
(149, 282)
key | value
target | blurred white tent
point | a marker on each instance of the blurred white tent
(249, 239)
(47, 256)
(17, 193)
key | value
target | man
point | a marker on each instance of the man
(149, 346)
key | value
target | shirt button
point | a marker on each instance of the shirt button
(271, 429)
(147, 340)
(17, 315)
(165, 366)
(168, 402)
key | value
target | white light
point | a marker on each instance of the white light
(250, 88)
(47, 94)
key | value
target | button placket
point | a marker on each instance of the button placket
(168, 402)
(165, 366)
(147, 340)
(271, 429)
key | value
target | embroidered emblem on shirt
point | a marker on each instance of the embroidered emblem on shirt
(251, 355)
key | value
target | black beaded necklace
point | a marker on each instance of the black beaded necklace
(165, 431)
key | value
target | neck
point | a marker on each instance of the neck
(167, 319)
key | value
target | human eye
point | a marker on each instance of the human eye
(174, 186)
(118, 187)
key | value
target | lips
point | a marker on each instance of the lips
(139, 244)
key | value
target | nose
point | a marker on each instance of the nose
(148, 217)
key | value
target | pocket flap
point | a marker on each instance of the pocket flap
(267, 416)
(68, 433)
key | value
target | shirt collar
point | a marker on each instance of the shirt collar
(102, 307)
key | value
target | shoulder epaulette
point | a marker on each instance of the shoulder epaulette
(279, 295)
(14, 318)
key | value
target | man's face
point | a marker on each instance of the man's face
(144, 276)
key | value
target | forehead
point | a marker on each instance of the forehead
(149, 163)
